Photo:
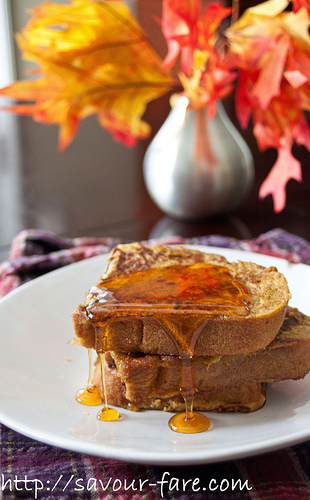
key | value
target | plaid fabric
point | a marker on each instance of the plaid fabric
(30, 469)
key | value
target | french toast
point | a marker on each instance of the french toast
(223, 330)
(223, 383)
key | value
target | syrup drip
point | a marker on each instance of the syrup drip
(90, 395)
(188, 422)
(106, 414)
(180, 298)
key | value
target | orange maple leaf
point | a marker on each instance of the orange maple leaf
(271, 49)
(180, 28)
(193, 32)
(285, 168)
(93, 57)
(188, 28)
(299, 4)
(206, 86)
(213, 15)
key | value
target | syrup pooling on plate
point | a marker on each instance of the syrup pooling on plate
(188, 422)
(89, 396)
(180, 298)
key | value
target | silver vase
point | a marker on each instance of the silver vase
(195, 167)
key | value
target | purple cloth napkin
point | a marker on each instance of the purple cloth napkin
(35, 252)
(31, 469)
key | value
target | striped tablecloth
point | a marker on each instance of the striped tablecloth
(31, 469)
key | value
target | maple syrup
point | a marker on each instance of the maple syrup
(201, 288)
(189, 423)
(181, 298)
(89, 396)
(106, 414)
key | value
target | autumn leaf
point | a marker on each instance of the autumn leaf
(92, 57)
(299, 4)
(285, 168)
(205, 87)
(193, 32)
(213, 15)
(188, 28)
(180, 28)
(271, 50)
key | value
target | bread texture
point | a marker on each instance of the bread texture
(222, 383)
(220, 334)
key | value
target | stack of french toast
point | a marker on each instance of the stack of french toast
(159, 308)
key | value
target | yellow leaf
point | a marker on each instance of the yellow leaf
(93, 58)
(297, 25)
(271, 8)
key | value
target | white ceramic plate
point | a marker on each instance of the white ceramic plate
(40, 373)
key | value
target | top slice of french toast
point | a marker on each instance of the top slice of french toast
(223, 307)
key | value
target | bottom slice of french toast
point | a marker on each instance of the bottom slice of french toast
(222, 383)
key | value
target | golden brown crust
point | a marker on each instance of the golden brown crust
(220, 335)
